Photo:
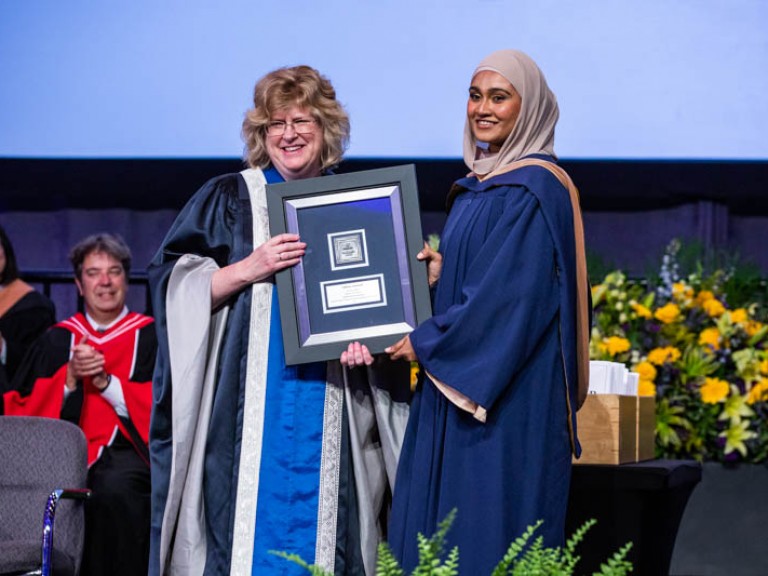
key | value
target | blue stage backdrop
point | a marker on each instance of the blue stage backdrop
(680, 79)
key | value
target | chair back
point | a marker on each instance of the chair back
(37, 456)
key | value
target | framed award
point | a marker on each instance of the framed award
(359, 279)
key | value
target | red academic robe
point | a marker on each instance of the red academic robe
(129, 348)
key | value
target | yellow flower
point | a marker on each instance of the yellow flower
(682, 289)
(682, 293)
(758, 392)
(659, 356)
(713, 308)
(615, 345)
(710, 337)
(646, 371)
(414, 374)
(668, 313)
(641, 311)
(713, 390)
(739, 316)
(752, 327)
(764, 367)
(646, 388)
(703, 296)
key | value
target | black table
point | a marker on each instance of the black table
(641, 502)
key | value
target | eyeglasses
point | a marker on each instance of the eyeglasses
(300, 126)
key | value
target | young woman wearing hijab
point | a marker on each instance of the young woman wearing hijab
(250, 455)
(492, 426)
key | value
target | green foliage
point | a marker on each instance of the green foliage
(387, 565)
(524, 559)
(313, 569)
(616, 564)
(430, 550)
(697, 363)
(515, 550)
(668, 420)
(526, 556)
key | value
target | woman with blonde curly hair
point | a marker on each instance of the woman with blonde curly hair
(302, 87)
(250, 455)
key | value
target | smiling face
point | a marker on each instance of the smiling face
(295, 155)
(492, 109)
(103, 286)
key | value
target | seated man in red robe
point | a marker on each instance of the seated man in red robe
(96, 369)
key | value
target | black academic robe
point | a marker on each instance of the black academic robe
(20, 325)
(303, 491)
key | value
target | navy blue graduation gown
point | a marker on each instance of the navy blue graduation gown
(503, 335)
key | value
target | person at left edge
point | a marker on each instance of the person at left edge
(25, 313)
(250, 455)
(95, 369)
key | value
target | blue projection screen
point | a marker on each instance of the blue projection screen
(680, 79)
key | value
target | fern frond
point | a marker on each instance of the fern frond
(578, 536)
(296, 559)
(451, 565)
(617, 565)
(386, 564)
(430, 549)
(515, 549)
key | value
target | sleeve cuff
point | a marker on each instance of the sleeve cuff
(113, 393)
(460, 400)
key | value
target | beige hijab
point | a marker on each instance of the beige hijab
(534, 131)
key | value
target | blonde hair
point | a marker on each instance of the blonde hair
(300, 86)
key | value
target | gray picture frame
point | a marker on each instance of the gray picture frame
(375, 305)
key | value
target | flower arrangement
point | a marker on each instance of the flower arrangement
(700, 347)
